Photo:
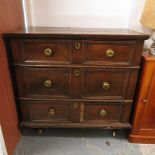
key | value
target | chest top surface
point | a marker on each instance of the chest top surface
(79, 33)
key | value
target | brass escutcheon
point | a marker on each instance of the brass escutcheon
(77, 45)
(75, 105)
(77, 72)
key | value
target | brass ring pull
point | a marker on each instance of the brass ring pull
(51, 112)
(103, 113)
(106, 85)
(48, 52)
(77, 72)
(75, 105)
(48, 83)
(77, 45)
(110, 53)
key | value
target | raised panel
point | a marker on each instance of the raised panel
(102, 112)
(46, 111)
(32, 51)
(93, 80)
(95, 52)
(149, 111)
(32, 82)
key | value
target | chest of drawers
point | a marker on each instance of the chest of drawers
(67, 77)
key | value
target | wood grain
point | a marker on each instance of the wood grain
(11, 17)
(78, 33)
(143, 130)
(77, 73)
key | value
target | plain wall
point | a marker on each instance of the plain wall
(86, 14)
(79, 13)
(135, 14)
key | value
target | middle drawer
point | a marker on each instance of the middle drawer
(86, 83)
(43, 82)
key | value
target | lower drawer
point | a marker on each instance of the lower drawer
(102, 112)
(80, 112)
(46, 111)
(106, 112)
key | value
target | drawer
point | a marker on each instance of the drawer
(41, 51)
(52, 111)
(43, 82)
(102, 112)
(75, 112)
(109, 52)
(100, 83)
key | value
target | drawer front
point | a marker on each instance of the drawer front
(100, 83)
(84, 112)
(43, 82)
(108, 53)
(52, 111)
(102, 112)
(38, 51)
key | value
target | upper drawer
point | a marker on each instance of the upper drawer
(110, 53)
(41, 51)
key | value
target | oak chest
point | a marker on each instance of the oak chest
(67, 77)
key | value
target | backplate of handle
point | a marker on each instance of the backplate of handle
(48, 83)
(110, 53)
(106, 85)
(103, 113)
(51, 112)
(48, 52)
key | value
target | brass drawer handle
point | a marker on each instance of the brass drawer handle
(48, 83)
(106, 85)
(48, 52)
(110, 53)
(77, 72)
(75, 105)
(51, 112)
(77, 45)
(103, 113)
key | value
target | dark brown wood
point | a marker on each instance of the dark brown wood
(77, 69)
(143, 130)
(65, 111)
(78, 33)
(28, 51)
(92, 113)
(95, 52)
(110, 125)
(39, 111)
(119, 80)
(31, 82)
(32, 51)
(11, 18)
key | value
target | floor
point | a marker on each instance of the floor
(79, 142)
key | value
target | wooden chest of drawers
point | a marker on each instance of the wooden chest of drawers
(74, 77)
